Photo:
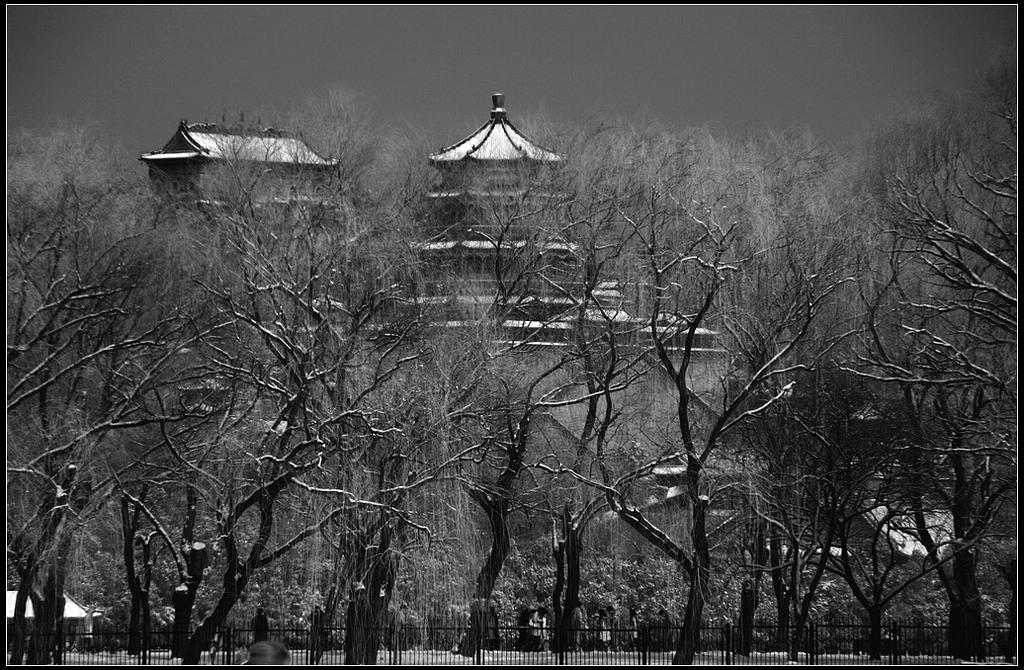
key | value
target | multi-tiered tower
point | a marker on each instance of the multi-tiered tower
(493, 248)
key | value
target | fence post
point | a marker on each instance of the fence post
(982, 655)
(644, 645)
(727, 635)
(894, 643)
(144, 652)
(478, 657)
(812, 643)
(60, 652)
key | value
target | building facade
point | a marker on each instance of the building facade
(209, 162)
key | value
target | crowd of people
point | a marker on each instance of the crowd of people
(605, 629)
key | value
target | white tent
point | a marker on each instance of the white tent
(72, 609)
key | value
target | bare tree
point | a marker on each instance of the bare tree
(716, 280)
(310, 350)
(89, 346)
(791, 474)
(942, 320)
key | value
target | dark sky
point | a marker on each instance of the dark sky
(133, 72)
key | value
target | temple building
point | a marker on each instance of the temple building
(205, 161)
(491, 246)
(495, 258)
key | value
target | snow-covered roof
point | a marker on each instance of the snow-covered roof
(905, 535)
(445, 245)
(214, 142)
(496, 140)
(537, 325)
(72, 609)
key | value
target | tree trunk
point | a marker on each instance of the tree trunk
(129, 530)
(45, 581)
(758, 558)
(367, 619)
(874, 633)
(689, 641)
(237, 572)
(19, 628)
(966, 641)
(147, 622)
(560, 641)
(965, 631)
(319, 630)
(194, 556)
(796, 638)
(496, 504)
(236, 576)
(781, 596)
(184, 598)
(748, 606)
(1008, 644)
(368, 606)
(48, 624)
(134, 623)
(497, 508)
(364, 631)
(782, 628)
(572, 584)
(567, 561)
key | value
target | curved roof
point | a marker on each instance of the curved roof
(496, 140)
(208, 140)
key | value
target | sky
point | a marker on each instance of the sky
(131, 73)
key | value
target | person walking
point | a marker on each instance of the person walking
(523, 623)
(542, 629)
(633, 625)
(604, 631)
(617, 643)
(533, 642)
(260, 626)
(579, 628)
(665, 633)
(492, 636)
(317, 633)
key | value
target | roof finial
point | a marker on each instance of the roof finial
(498, 99)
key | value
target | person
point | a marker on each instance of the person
(523, 624)
(634, 629)
(491, 635)
(260, 626)
(616, 628)
(403, 628)
(665, 631)
(578, 633)
(604, 632)
(533, 641)
(317, 633)
(266, 652)
(542, 629)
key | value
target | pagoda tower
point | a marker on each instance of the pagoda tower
(491, 247)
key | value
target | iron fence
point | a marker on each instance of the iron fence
(725, 644)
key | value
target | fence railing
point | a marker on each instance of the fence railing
(725, 644)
